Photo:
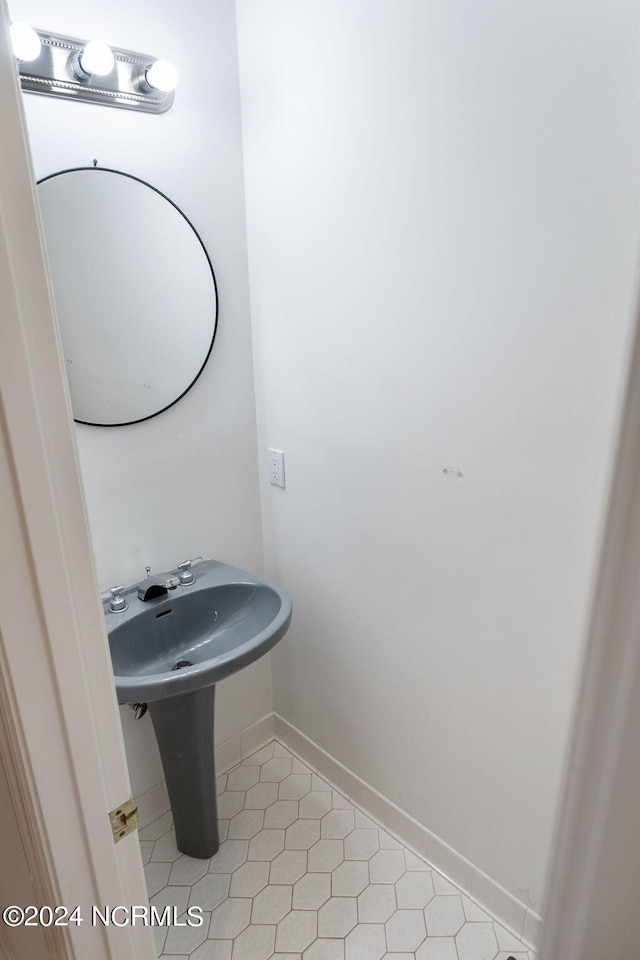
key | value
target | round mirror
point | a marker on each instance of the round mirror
(135, 294)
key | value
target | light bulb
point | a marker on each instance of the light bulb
(25, 42)
(162, 75)
(96, 60)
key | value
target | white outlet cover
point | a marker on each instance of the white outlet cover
(276, 467)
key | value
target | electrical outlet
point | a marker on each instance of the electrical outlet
(276, 467)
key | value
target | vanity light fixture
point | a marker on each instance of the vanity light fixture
(96, 60)
(161, 75)
(25, 42)
(92, 72)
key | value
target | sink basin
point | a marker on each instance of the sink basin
(219, 624)
(170, 652)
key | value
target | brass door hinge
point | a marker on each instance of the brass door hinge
(124, 820)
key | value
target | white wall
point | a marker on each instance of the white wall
(443, 215)
(184, 483)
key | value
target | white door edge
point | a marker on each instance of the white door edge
(65, 758)
(594, 885)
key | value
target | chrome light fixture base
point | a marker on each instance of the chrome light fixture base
(54, 72)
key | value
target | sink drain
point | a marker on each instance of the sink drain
(182, 663)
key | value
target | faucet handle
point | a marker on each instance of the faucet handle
(186, 575)
(118, 603)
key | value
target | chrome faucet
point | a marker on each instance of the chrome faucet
(156, 586)
(186, 573)
(117, 602)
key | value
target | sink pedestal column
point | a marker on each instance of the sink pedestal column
(184, 731)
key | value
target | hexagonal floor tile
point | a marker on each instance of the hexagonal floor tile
(297, 766)
(159, 935)
(246, 824)
(437, 948)
(363, 897)
(213, 950)
(444, 887)
(444, 916)
(362, 820)
(229, 857)
(387, 842)
(377, 903)
(506, 941)
(337, 917)
(317, 783)
(209, 892)
(261, 796)
(414, 891)
(361, 844)
(415, 863)
(249, 879)
(243, 778)
(229, 804)
(311, 891)
(165, 848)
(186, 870)
(366, 940)
(405, 930)
(185, 939)
(276, 769)
(146, 849)
(296, 931)
(473, 912)
(288, 866)
(386, 866)
(177, 897)
(337, 824)
(477, 941)
(156, 876)
(325, 855)
(324, 950)
(302, 834)
(254, 943)
(315, 804)
(271, 905)
(281, 814)
(349, 878)
(229, 919)
(266, 845)
(221, 783)
(295, 786)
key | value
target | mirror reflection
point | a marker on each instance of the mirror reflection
(135, 294)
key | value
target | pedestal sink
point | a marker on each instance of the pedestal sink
(169, 652)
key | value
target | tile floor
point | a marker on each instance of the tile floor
(303, 875)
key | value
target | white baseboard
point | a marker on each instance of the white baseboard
(152, 804)
(232, 751)
(519, 919)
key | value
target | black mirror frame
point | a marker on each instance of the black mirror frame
(130, 176)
